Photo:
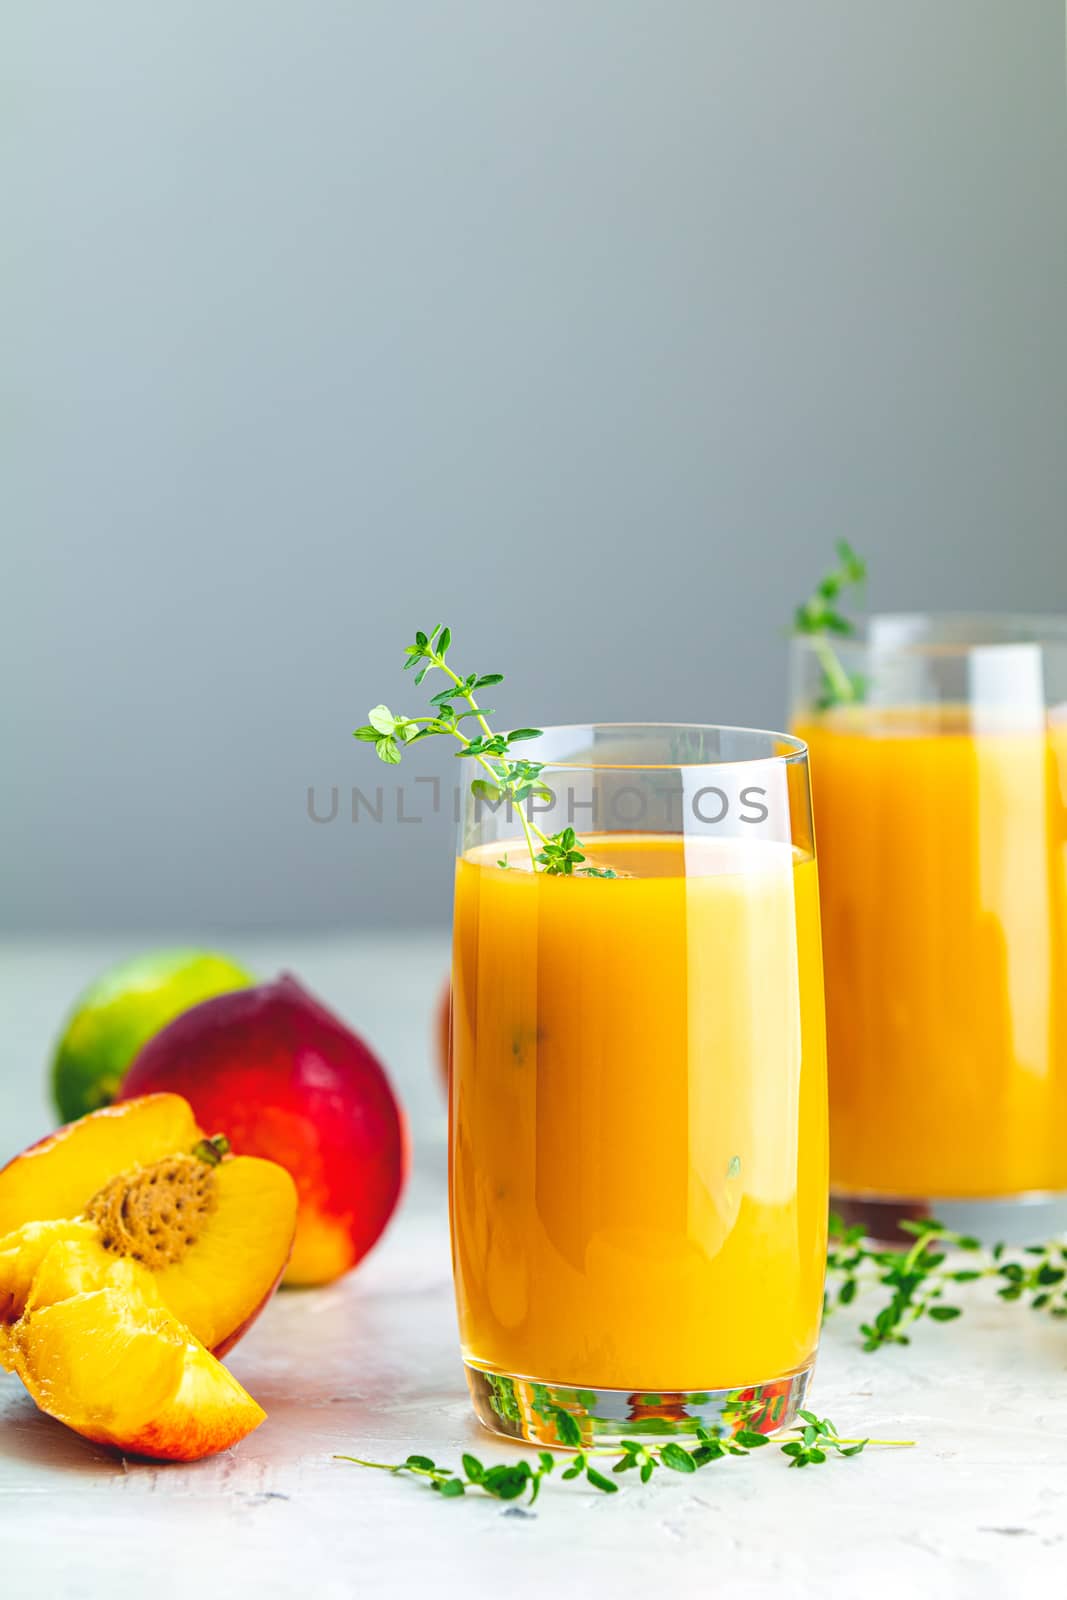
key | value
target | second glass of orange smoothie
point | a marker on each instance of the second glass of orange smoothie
(940, 798)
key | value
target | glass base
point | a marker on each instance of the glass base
(1017, 1219)
(525, 1408)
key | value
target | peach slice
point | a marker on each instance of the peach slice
(76, 1266)
(46, 1262)
(23, 1252)
(116, 1367)
(212, 1231)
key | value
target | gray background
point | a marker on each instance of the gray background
(584, 325)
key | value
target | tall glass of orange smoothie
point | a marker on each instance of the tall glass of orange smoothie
(941, 814)
(638, 1179)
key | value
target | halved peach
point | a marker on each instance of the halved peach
(115, 1366)
(214, 1231)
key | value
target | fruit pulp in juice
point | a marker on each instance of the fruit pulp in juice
(943, 875)
(638, 1115)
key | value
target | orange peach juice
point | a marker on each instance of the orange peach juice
(943, 872)
(639, 1167)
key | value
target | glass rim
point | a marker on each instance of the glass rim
(791, 749)
(946, 632)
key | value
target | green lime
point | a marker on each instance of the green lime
(121, 1011)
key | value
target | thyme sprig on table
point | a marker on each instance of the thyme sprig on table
(810, 1444)
(508, 778)
(821, 619)
(937, 1263)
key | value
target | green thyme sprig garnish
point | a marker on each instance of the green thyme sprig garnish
(562, 854)
(508, 778)
(808, 1445)
(821, 619)
(937, 1264)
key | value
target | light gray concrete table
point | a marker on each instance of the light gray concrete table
(369, 1366)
